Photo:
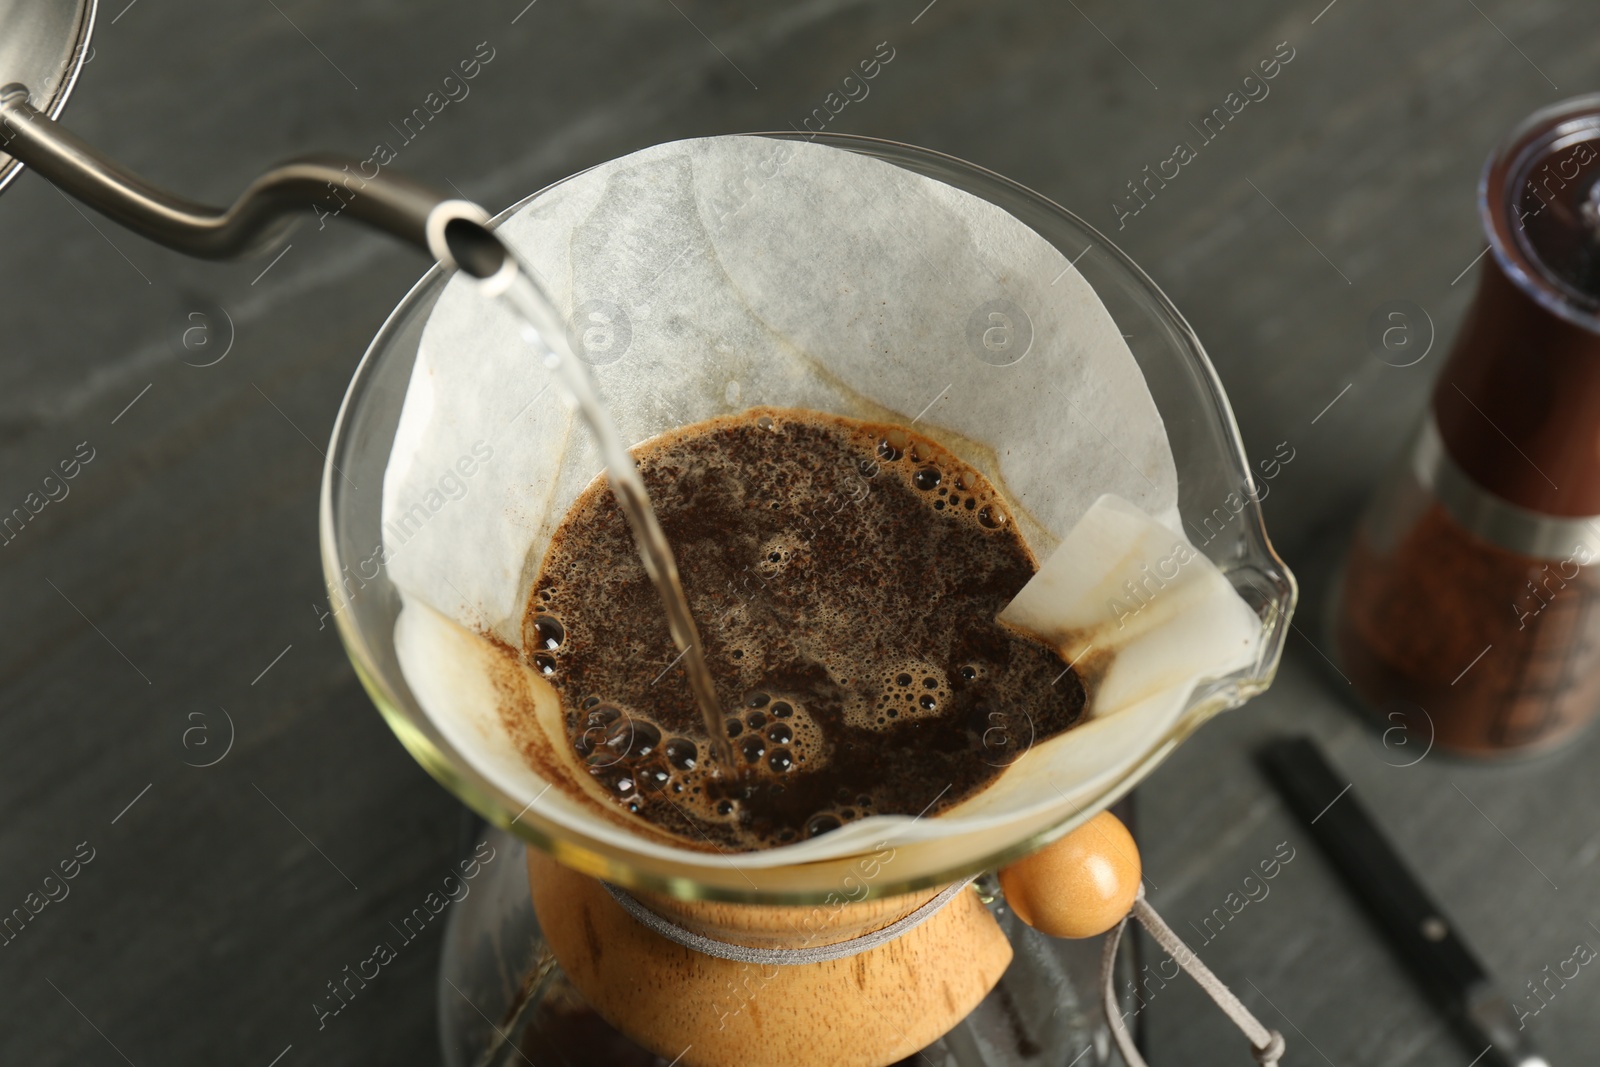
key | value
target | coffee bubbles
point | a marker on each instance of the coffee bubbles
(845, 577)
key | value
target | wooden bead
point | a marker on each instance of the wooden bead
(1079, 886)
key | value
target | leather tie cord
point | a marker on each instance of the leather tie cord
(783, 957)
(1266, 1045)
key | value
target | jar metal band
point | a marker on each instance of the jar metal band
(1492, 518)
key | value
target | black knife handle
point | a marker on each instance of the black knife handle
(1419, 932)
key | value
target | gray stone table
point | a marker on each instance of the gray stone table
(167, 602)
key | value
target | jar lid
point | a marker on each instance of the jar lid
(1540, 202)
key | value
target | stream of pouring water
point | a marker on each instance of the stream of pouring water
(546, 332)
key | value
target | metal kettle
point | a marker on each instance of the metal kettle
(43, 46)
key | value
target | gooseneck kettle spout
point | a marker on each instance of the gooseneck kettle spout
(453, 231)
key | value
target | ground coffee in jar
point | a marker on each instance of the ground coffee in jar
(1468, 612)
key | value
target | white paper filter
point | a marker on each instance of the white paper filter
(706, 277)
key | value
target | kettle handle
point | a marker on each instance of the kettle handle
(453, 231)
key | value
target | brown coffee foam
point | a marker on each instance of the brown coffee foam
(788, 526)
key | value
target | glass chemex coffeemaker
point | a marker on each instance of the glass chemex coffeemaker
(888, 935)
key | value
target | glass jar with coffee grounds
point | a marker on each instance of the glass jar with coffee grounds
(1470, 609)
